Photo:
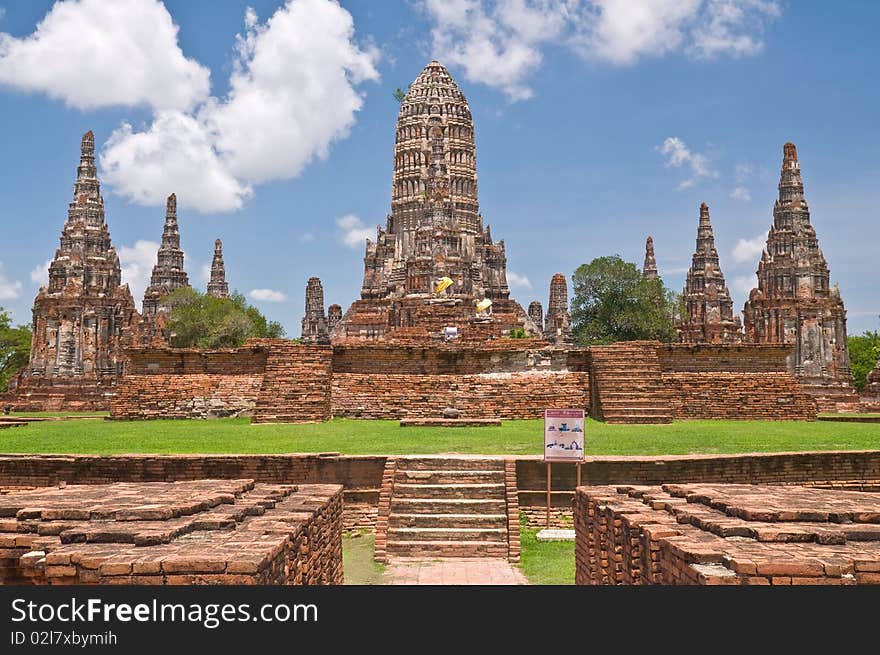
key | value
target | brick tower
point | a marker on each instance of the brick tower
(218, 287)
(434, 231)
(314, 323)
(649, 268)
(82, 317)
(557, 321)
(709, 309)
(536, 313)
(168, 273)
(794, 302)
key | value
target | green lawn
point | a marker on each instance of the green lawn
(546, 562)
(358, 564)
(386, 437)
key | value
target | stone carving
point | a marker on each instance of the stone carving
(218, 287)
(536, 313)
(649, 269)
(168, 273)
(435, 229)
(314, 323)
(334, 315)
(557, 322)
(794, 302)
(82, 317)
(709, 309)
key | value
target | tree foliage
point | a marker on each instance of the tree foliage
(15, 348)
(864, 351)
(198, 320)
(613, 302)
(400, 94)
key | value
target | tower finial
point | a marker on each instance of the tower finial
(789, 152)
(171, 205)
(218, 287)
(649, 268)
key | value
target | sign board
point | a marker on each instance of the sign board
(563, 435)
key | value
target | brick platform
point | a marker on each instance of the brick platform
(726, 534)
(199, 532)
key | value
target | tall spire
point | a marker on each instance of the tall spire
(168, 273)
(218, 287)
(557, 321)
(314, 323)
(709, 316)
(649, 269)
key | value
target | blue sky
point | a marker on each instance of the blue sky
(273, 122)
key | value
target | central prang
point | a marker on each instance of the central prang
(434, 231)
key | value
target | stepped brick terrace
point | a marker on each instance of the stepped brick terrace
(197, 532)
(726, 534)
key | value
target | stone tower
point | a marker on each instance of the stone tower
(168, 273)
(81, 318)
(557, 321)
(218, 287)
(794, 302)
(536, 313)
(334, 315)
(434, 230)
(314, 323)
(709, 309)
(649, 269)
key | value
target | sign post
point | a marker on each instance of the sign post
(563, 442)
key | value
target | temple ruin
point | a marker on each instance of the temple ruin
(314, 323)
(649, 268)
(217, 286)
(709, 309)
(794, 302)
(557, 321)
(168, 273)
(434, 232)
(81, 317)
(536, 313)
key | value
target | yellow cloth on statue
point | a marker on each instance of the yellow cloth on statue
(483, 305)
(443, 284)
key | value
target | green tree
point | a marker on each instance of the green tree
(15, 348)
(197, 320)
(864, 351)
(400, 94)
(613, 302)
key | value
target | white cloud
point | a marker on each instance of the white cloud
(306, 237)
(500, 43)
(749, 250)
(267, 295)
(743, 285)
(9, 289)
(40, 274)
(732, 27)
(176, 153)
(353, 231)
(137, 266)
(741, 193)
(517, 280)
(205, 273)
(678, 154)
(292, 95)
(93, 53)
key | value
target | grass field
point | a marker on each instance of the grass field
(546, 562)
(357, 559)
(387, 437)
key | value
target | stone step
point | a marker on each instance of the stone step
(448, 477)
(449, 464)
(475, 491)
(447, 549)
(447, 505)
(447, 520)
(398, 535)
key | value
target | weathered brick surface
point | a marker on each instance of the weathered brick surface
(199, 532)
(498, 395)
(296, 384)
(741, 396)
(744, 358)
(725, 534)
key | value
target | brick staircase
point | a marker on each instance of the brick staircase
(447, 507)
(627, 385)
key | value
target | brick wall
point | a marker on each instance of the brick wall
(740, 396)
(732, 359)
(296, 384)
(189, 383)
(496, 395)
